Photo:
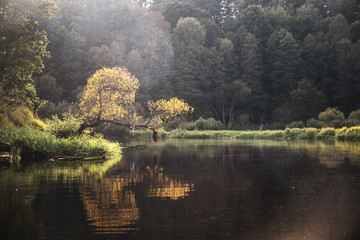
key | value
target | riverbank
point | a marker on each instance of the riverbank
(37, 140)
(351, 133)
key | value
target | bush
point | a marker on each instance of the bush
(115, 133)
(341, 133)
(351, 122)
(331, 114)
(353, 133)
(314, 123)
(173, 124)
(19, 116)
(189, 126)
(326, 133)
(208, 124)
(64, 128)
(299, 124)
(354, 115)
(294, 133)
(310, 133)
(50, 109)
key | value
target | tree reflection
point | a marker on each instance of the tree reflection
(110, 207)
(110, 202)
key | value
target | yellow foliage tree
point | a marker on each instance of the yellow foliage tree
(109, 98)
(163, 110)
(108, 93)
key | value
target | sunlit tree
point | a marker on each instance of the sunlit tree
(109, 97)
(22, 47)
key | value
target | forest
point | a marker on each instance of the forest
(244, 63)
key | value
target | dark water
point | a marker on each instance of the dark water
(191, 189)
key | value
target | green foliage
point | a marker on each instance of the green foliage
(314, 123)
(331, 114)
(298, 124)
(206, 52)
(115, 133)
(19, 116)
(208, 124)
(50, 108)
(325, 133)
(189, 126)
(65, 127)
(173, 124)
(355, 115)
(22, 47)
(85, 145)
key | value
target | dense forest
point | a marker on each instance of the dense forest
(242, 62)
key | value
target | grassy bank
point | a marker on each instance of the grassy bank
(18, 127)
(351, 133)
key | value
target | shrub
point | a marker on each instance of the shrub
(331, 114)
(66, 127)
(310, 133)
(351, 122)
(294, 133)
(353, 133)
(190, 126)
(19, 116)
(314, 123)
(299, 124)
(341, 133)
(173, 124)
(355, 115)
(115, 133)
(208, 124)
(326, 133)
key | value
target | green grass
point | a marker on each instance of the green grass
(84, 145)
(20, 128)
(351, 133)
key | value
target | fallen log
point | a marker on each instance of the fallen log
(4, 147)
(44, 155)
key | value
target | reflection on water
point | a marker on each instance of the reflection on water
(190, 189)
(109, 206)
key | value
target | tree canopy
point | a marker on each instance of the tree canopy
(109, 98)
(208, 53)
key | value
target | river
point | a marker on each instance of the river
(190, 189)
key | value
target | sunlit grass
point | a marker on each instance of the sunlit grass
(351, 133)
(32, 139)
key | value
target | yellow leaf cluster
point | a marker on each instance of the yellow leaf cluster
(167, 109)
(108, 92)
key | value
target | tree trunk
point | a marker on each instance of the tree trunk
(155, 136)
(86, 125)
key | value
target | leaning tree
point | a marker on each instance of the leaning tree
(109, 97)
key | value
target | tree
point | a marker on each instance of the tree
(192, 71)
(108, 93)
(226, 98)
(22, 47)
(306, 101)
(347, 84)
(283, 61)
(355, 31)
(109, 97)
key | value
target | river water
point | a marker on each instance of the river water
(190, 189)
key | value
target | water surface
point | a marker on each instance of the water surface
(190, 189)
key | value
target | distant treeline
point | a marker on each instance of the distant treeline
(252, 61)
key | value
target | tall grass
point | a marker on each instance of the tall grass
(84, 145)
(351, 133)
(20, 128)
